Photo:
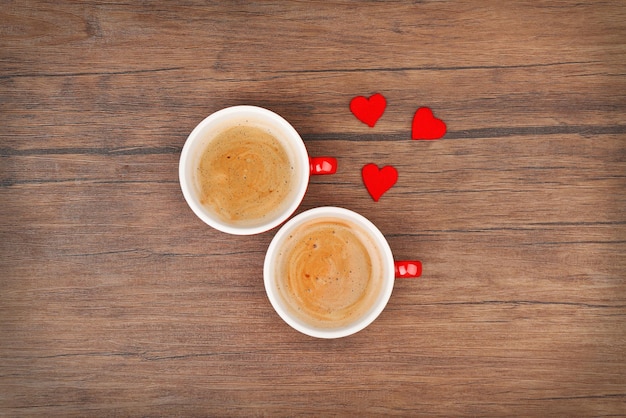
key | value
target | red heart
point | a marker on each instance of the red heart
(426, 125)
(369, 110)
(378, 181)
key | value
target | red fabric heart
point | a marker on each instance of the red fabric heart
(426, 125)
(378, 181)
(369, 110)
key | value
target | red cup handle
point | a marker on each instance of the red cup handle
(323, 165)
(408, 269)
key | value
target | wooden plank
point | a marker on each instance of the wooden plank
(118, 301)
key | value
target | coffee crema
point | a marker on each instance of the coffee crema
(328, 272)
(244, 175)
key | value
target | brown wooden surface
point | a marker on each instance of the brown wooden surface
(117, 301)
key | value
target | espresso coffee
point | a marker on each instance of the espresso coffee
(244, 175)
(328, 272)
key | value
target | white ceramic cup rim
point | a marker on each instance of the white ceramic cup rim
(197, 140)
(388, 272)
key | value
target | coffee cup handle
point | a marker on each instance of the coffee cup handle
(322, 165)
(408, 269)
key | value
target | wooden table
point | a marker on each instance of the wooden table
(117, 301)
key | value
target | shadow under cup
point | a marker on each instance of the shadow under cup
(209, 131)
(329, 272)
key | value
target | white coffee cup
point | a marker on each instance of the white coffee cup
(387, 268)
(218, 122)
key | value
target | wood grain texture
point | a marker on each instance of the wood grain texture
(117, 301)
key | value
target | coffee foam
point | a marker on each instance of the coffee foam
(245, 174)
(329, 272)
